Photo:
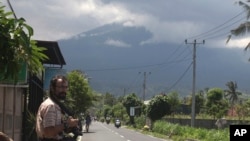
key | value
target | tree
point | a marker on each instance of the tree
(131, 100)
(119, 110)
(173, 100)
(216, 105)
(107, 111)
(109, 99)
(231, 93)
(17, 48)
(243, 28)
(80, 96)
(199, 102)
(243, 110)
(158, 107)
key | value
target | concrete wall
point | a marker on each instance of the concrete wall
(204, 123)
(11, 108)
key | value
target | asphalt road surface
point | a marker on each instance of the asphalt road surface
(108, 132)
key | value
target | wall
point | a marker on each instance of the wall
(11, 107)
(204, 123)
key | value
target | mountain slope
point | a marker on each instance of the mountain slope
(115, 59)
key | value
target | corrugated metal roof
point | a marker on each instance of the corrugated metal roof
(53, 52)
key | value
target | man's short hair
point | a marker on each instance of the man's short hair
(53, 82)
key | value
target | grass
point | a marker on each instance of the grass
(183, 133)
(175, 132)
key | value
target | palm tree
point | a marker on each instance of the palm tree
(232, 94)
(242, 29)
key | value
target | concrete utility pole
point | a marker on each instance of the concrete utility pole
(194, 77)
(144, 85)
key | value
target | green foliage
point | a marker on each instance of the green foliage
(80, 96)
(29, 129)
(17, 47)
(131, 100)
(215, 94)
(199, 103)
(243, 110)
(109, 99)
(243, 28)
(231, 93)
(140, 121)
(158, 107)
(181, 133)
(107, 111)
(215, 104)
(174, 101)
(119, 110)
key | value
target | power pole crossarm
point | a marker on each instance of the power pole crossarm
(194, 78)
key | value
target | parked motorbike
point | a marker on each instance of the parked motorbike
(117, 123)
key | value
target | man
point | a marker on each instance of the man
(88, 121)
(4, 137)
(50, 125)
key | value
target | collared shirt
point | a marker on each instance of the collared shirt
(49, 114)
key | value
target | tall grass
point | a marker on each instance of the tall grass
(182, 133)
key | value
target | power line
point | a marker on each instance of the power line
(180, 78)
(215, 28)
(213, 36)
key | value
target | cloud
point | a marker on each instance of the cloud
(168, 21)
(239, 43)
(116, 43)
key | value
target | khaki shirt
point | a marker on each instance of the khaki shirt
(49, 114)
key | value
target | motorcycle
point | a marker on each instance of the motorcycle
(117, 123)
(107, 120)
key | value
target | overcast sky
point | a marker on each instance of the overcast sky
(170, 21)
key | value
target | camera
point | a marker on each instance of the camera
(76, 131)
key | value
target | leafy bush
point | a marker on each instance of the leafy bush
(181, 133)
(140, 121)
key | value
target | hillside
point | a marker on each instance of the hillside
(115, 58)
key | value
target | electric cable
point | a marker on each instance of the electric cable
(209, 36)
(212, 29)
(180, 78)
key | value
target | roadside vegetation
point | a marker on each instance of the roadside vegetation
(177, 132)
(150, 118)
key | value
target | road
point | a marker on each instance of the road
(107, 132)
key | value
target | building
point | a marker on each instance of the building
(18, 101)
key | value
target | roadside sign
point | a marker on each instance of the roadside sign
(132, 111)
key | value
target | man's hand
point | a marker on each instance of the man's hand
(72, 122)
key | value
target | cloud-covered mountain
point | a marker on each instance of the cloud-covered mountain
(116, 57)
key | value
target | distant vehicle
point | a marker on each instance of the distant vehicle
(107, 120)
(117, 123)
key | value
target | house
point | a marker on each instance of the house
(27, 94)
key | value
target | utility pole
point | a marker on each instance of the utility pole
(194, 77)
(144, 92)
(11, 8)
(144, 85)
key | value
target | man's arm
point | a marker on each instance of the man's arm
(55, 130)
